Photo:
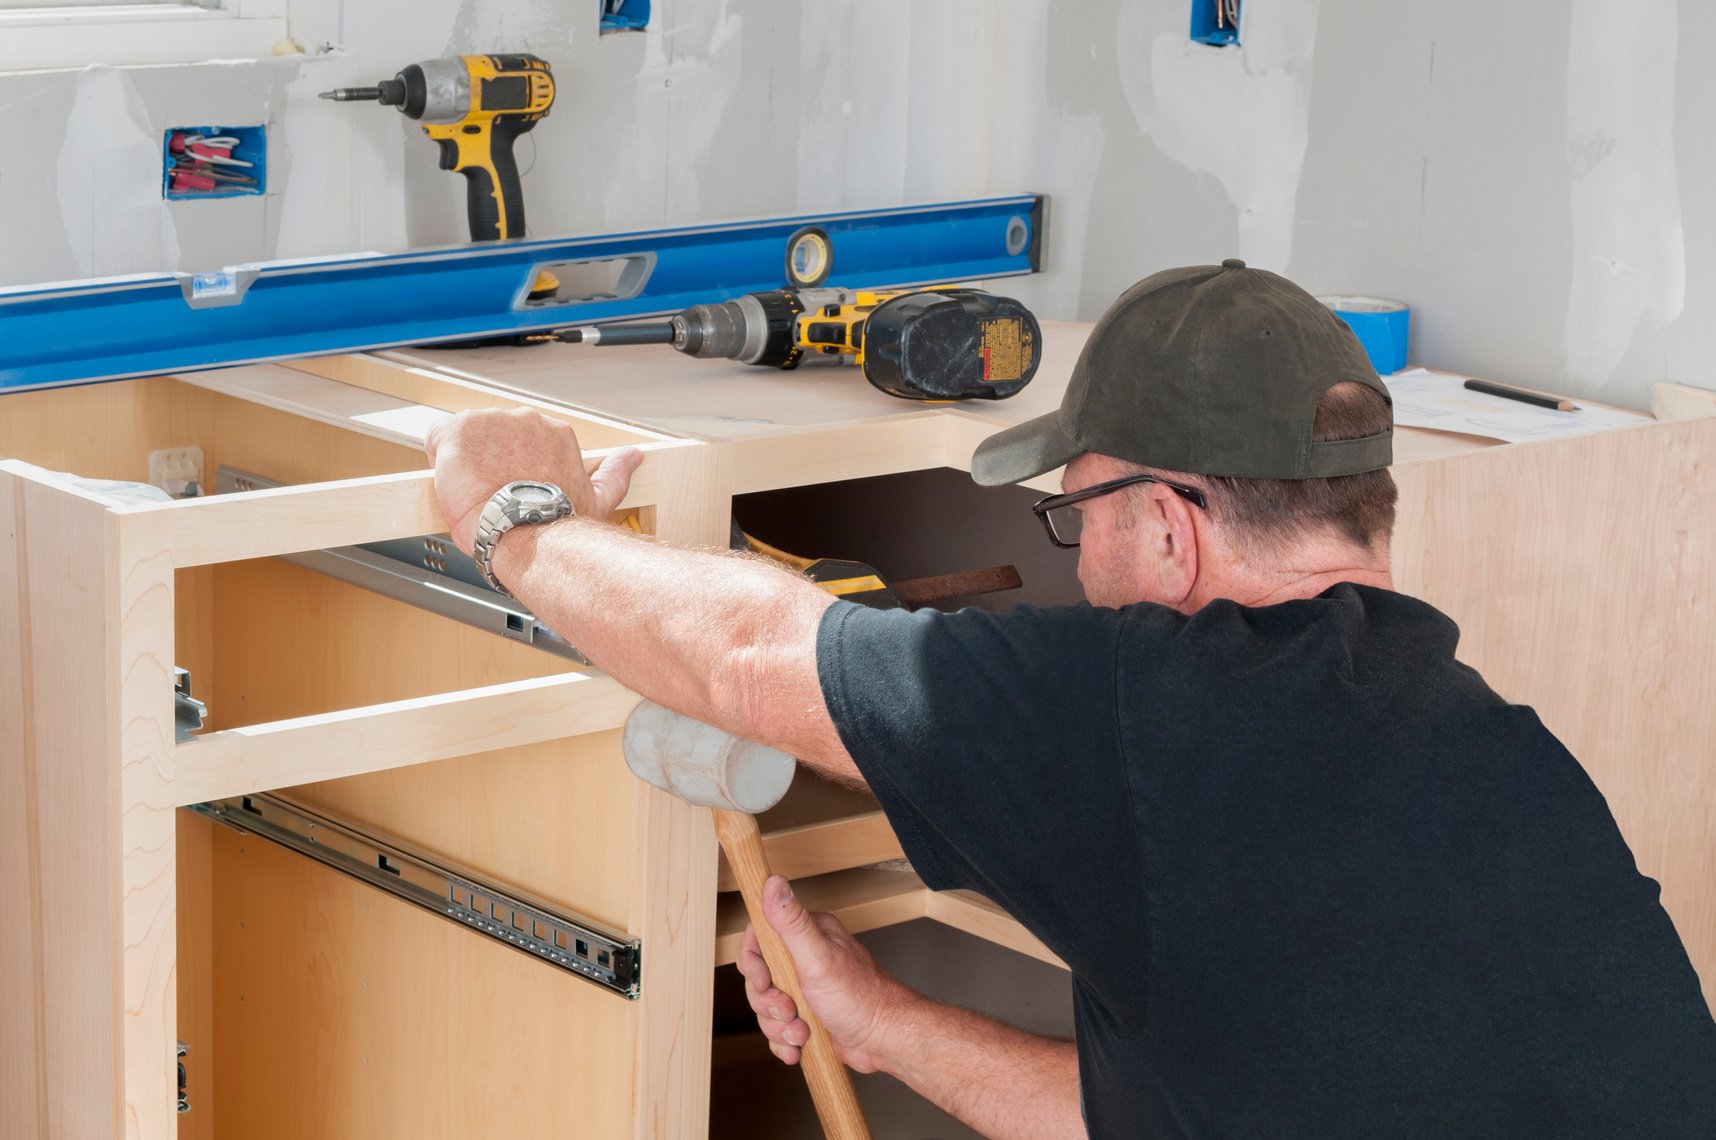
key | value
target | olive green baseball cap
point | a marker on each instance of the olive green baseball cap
(1212, 369)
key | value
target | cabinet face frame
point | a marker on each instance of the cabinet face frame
(86, 653)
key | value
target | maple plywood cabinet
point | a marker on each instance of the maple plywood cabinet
(311, 1003)
(1582, 573)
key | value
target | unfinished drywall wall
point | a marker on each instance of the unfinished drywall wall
(1629, 249)
(1241, 116)
(1513, 172)
(1516, 173)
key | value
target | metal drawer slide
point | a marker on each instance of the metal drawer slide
(428, 572)
(578, 945)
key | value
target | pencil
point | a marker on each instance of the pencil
(1524, 397)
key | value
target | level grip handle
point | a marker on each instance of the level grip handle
(829, 1080)
(492, 217)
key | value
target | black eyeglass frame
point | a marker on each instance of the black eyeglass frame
(1043, 506)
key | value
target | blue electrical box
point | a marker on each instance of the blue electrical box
(214, 162)
(1215, 22)
(625, 15)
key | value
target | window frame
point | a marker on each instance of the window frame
(54, 35)
(50, 9)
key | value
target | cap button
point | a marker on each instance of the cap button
(1233, 263)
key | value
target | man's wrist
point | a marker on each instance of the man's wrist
(897, 1038)
(515, 549)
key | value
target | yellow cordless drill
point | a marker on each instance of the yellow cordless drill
(937, 343)
(474, 107)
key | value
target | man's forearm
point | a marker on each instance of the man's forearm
(717, 636)
(995, 1078)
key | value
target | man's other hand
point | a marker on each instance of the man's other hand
(477, 453)
(847, 990)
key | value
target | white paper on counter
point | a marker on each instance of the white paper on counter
(1439, 401)
(414, 420)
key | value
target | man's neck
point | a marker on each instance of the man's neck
(1300, 574)
(1313, 584)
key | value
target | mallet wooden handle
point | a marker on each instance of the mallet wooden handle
(829, 1080)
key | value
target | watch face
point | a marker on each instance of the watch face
(533, 494)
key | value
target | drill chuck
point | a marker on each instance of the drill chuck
(723, 330)
(438, 91)
(755, 329)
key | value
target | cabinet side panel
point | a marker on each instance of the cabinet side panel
(91, 608)
(104, 431)
(23, 1080)
(1582, 574)
(290, 642)
(551, 819)
(62, 851)
(342, 1011)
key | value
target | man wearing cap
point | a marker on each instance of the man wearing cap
(1312, 877)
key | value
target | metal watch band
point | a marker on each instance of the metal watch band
(491, 524)
(503, 511)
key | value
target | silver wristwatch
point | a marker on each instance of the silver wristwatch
(513, 505)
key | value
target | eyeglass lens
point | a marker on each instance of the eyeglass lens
(1068, 524)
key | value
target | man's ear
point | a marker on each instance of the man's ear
(1179, 551)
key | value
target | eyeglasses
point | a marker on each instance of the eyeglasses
(1065, 522)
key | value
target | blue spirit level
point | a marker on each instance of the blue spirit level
(87, 331)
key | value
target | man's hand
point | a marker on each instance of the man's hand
(844, 986)
(1001, 1081)
(475, 454)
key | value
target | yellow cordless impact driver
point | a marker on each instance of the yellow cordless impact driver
(474, 107)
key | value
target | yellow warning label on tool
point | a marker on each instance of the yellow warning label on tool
(1007, 350)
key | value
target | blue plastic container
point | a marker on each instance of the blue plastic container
(1206, 29)
(1381, 325)
(625, 15)
(252, 147)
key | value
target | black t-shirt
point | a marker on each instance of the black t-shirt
(1313, 878)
